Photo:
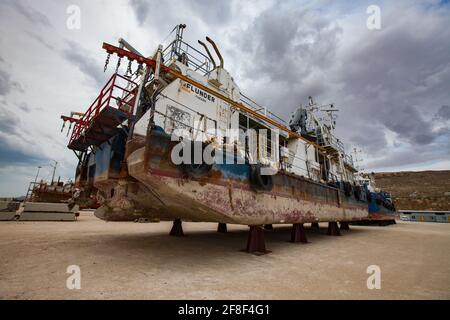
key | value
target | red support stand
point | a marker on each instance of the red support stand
(333, 229)
(255, 241)
(268, 227)
(315, 225)
(222, 228)
(177, 229)
(344, 225)
(298, 233)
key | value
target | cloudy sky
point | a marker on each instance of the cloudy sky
(392, 85)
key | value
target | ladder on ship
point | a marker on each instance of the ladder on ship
(113, 106)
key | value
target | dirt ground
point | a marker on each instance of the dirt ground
(127, 260)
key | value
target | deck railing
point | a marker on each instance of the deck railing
(114, 94)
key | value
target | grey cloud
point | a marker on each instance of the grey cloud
(24, 107)
(8, 121)
(219, 13)
(11, 127)
(412, 156)
(141, 9)
(391, 80)
(398, 76)
(211, 13)
(7, 85)
(83, 60)
(10, 155)
(289, 44)
(287, 52)
(408, 122)
(443, 113)
(41, 40)
(31, 14)
(371, 137)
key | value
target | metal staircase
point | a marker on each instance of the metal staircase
(100, 122)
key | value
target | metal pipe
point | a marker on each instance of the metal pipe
(37, 174)
(216, 49)
(209, 53)
(54, 169)
(124, 43)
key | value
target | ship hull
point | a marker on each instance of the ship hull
(379, 215)
(164, 191)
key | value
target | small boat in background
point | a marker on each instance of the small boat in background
(381, 206)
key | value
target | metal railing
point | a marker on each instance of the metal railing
(114, 95)
(348, 159)
(330, 140)
(194, 57)
(260, 109)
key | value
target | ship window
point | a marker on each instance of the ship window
(283, 140)
(252, 124)
(243, 122)
(269, 143)
(243, 126)
(246, 123)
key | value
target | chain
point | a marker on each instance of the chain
(138, 70)
(106, 62)
(118, 64)
(129, 71)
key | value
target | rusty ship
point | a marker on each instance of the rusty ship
(177, 140)
(382, 210)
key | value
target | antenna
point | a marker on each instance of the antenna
(37, 174)
(54, 169)
(330, 113)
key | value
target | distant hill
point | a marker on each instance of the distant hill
(422, 190)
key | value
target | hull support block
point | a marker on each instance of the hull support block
(177, 229)
(255, 242)
(298, 233)
(344, 225)
(222, 228)
(333, 229)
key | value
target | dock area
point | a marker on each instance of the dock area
(129, 260)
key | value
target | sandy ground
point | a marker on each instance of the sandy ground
(127, 260)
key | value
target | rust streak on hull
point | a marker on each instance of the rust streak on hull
(218, 199)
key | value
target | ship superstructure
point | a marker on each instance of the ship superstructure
(178, 140)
